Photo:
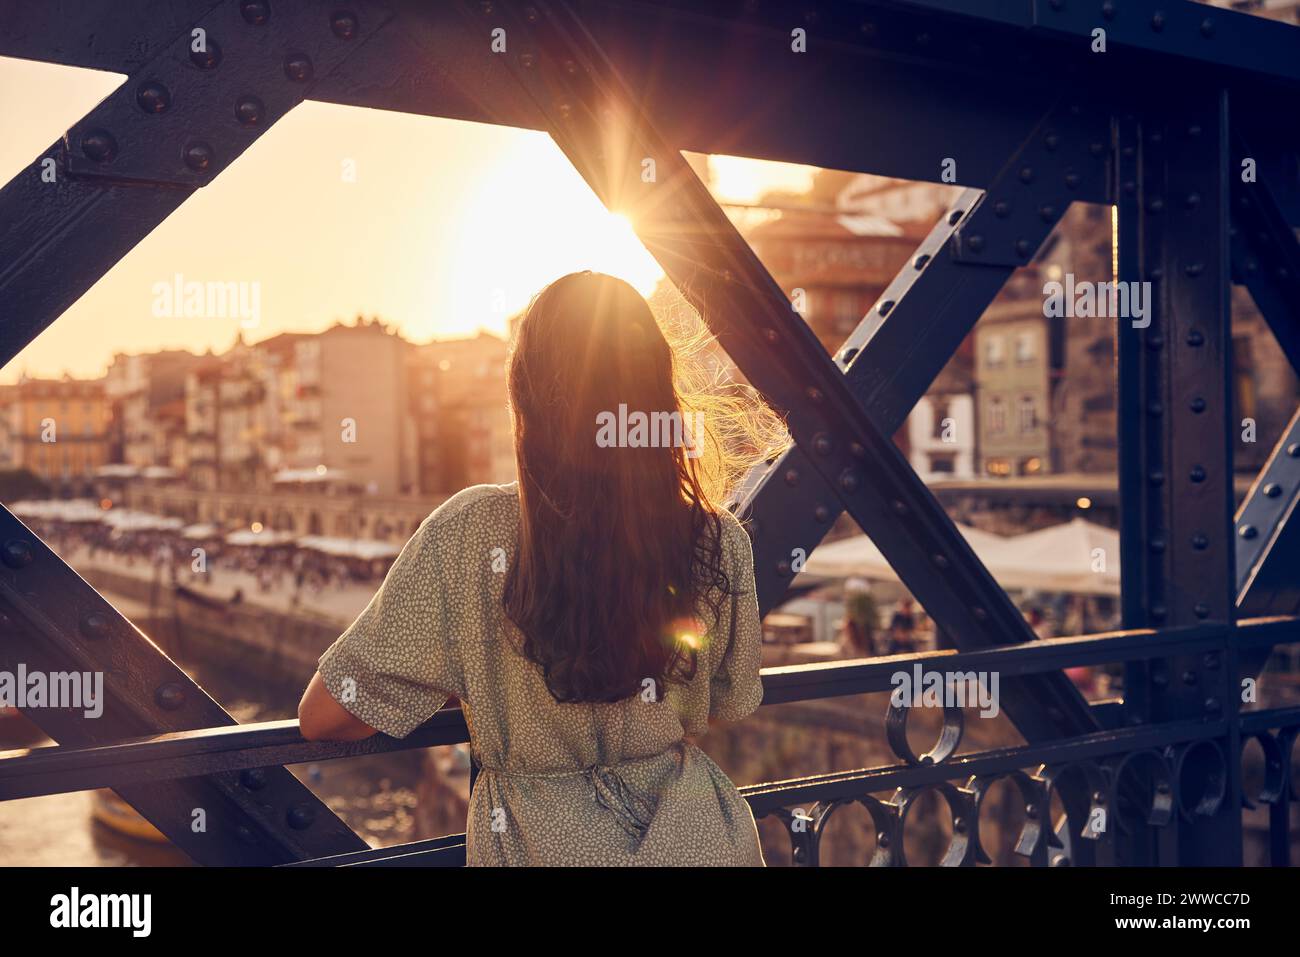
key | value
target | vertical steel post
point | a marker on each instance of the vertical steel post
(1171, 174)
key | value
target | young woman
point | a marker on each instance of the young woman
(590, 617)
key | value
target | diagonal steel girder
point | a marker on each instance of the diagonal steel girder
(902, 344)
(64, 221)
(1266, 259)
(596, 122)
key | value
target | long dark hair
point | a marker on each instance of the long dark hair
(621, 543)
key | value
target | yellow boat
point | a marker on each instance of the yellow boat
(112, 812)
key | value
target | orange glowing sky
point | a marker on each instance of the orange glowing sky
(449, 226)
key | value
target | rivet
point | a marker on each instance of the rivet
(822, 444)
(1201, 610)
(1108, 10)
(93, 625)
(565, 109)
(1096, 149)
(245, 834)
(885, 306)
(813, 393)
(153, 97)
(1293, 450)
(18, 553)
(344, 25)
(1272, 490)
(1194, 269)
(1157, 21)
(980, 613)
(1047, 213)
(254, 779)
(955, 217)
(1197, 474)
(1207, 28)
(899, 506)
(197, 156)
(1155, 341)
(170, 696)
(1155, 205)
(783, 569)
(1196, 338)
(1248, 531)
(527, 60)
(300, 816)
(1193, 200)
(1051, 141)
(1212, 705)
(959, 825)
(921, 260)
(1157, 544)
(882, 839)
(1159, 679)
(1026, 174)
(1156, 408)
(249, 110)
(297, 67)
(1072, 180)
(99, 146)
(940, 561)
(1129, 186)
(1200, 542)
(770, 335)
(1198, 405)
(1211, 660)
(849, 480)
(822, 513)
(208, 57)
(791, 477)
(1023, 248)
(255, 12)
(975, 243)
(857, 450)
(1002, 209)
(1156, 478)
(1158, 612)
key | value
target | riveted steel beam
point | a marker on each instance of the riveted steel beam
(1175, 443)
(1268, 534)
(191, 109)
(902, 344)
(54, 622)
(601, 129)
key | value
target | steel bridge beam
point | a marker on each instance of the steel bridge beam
(903, 343)
(1175, 443)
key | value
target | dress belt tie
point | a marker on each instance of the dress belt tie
(631, 809)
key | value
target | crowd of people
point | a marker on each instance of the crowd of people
(182, 560)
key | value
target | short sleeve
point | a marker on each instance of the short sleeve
(398, 663)
(736, 688)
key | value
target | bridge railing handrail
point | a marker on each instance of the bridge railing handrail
(54, 770)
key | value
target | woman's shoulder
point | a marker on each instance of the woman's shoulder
(480, 507)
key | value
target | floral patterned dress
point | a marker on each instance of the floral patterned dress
(561, 784)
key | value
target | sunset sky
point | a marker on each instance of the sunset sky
(449, 226)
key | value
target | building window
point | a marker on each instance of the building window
(997, 419)
(1028, 414)
(994, 351)
(1025, 347)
